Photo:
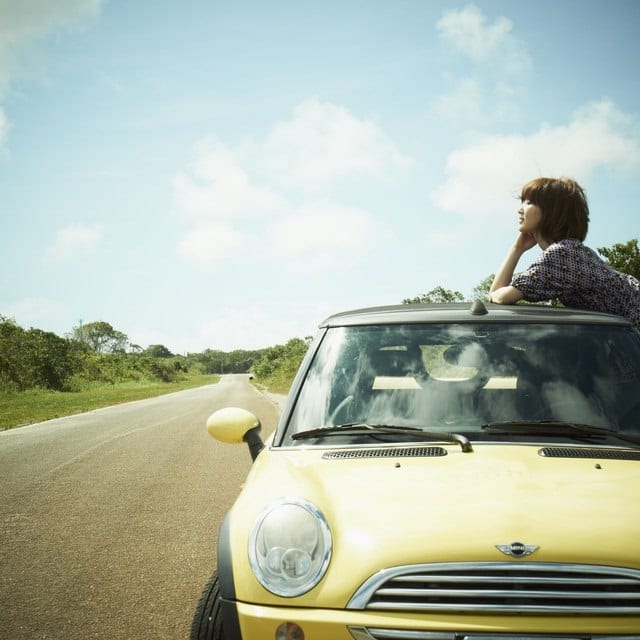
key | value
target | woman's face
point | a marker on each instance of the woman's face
(530, 216)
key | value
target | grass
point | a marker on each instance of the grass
(36, 405)
(277, 383)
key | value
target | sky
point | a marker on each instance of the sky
(224, 175)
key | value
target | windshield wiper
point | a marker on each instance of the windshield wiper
(373, 430)
(555, 427)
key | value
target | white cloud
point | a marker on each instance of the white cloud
(476, 103)
(224, 188)
(502, 65)
(324, 142)
(483, 175)
(23, 24)
(253, 327)
(465, 102)
(218, 195)
(73, 241)
(468, 31)
(209, 243)
(319, 235)
(218, 188)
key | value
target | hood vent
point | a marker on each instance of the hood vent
(395, 452)
(580, 452)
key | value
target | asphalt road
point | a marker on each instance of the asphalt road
(108, 520)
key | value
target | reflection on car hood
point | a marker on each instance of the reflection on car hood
(389, 511)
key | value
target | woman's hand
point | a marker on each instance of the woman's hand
(524, 242)
(501, 290)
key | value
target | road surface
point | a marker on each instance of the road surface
(108, 519)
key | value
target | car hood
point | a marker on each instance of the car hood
(389, 508)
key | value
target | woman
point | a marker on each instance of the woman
(555, 216)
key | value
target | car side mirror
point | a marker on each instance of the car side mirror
(234, 425)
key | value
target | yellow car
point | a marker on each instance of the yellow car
(441, 472)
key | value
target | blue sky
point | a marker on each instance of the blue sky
(224, 175)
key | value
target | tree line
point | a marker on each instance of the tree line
(97, 353)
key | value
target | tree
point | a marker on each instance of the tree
(35, 358)
(157, 351)
(238, 361)
(623, 257)
(101, 337)
(49, 359)
(282, 360)
(438, 294)
(10, 338)
(481, 290)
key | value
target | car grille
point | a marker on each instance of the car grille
(509, 587)
(392, 452)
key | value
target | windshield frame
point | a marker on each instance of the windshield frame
(323, 337)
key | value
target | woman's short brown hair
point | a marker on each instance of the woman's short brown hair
(563, 202)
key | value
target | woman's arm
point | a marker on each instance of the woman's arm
(505, 295)
(501, 290)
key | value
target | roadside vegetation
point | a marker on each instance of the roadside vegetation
(278, 365)
(36, 405)
(44, 376)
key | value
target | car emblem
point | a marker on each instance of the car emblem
(517, 549)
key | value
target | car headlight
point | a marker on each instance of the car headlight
(290, 547)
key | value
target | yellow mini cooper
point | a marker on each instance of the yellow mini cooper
(441, 472)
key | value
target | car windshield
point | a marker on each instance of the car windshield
(459, 377)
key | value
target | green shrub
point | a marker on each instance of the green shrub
(35, 358)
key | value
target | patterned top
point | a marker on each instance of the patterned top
(580, 279)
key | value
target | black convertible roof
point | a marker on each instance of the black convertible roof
(469, 312)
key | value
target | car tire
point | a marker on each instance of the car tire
(207, 619)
